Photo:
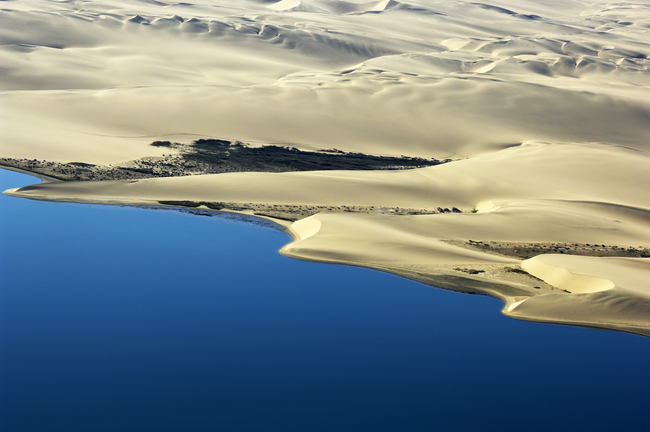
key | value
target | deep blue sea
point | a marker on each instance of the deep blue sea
(127, 319)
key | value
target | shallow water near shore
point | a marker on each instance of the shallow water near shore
(116, 318)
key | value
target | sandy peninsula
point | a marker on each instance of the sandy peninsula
(541, 107)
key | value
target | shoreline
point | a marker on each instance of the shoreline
(42, 177)
(145, 204)
(506, 282)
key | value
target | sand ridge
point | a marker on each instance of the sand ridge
(562, 278)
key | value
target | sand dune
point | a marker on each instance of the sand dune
(612, 290)
(417, 78)
(562, 278)
(544, 105)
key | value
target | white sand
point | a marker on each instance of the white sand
(546, 104)
(86, 81)
(613, 291)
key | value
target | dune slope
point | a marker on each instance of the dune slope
(419, 78)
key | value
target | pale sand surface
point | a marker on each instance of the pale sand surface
(544, 105)
(429, 78)
(608, 290)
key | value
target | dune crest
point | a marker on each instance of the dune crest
(563, 278)
(305, 228)
(623, 306)
(284, 5)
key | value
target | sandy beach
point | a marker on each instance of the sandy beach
(543, 108)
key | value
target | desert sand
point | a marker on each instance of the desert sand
(543, 106)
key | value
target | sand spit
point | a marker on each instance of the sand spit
(591, 298)
(542, 104)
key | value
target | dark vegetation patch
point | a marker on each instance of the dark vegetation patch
(192, 204)
(214, 156)
(517, 270)
(273, 158)
(195, 204)
(292, 212)
(528, 250)
(469, 270)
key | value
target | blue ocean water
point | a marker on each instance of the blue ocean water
(123, 319)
